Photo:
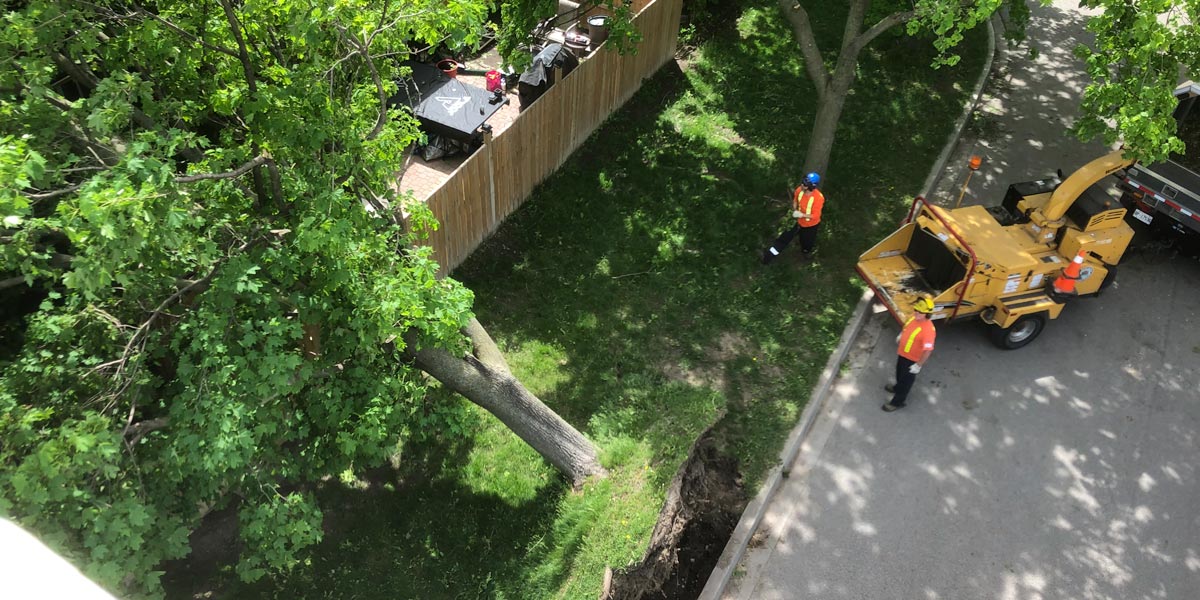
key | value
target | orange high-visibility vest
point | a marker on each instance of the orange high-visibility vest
(809, 202)
(916, 339)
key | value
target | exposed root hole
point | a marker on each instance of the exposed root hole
(702, 507)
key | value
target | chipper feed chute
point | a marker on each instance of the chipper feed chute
(924, 256)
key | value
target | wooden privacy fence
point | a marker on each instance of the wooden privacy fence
(498, 178)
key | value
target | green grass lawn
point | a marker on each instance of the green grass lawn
(627, 294)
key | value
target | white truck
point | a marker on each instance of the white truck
(1166, 195)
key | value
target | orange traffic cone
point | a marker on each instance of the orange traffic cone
(1065, 284)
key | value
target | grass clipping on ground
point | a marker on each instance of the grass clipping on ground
(627, 294)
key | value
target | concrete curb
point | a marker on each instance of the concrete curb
(939, 166)
(753, 515)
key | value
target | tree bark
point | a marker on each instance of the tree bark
(832, 88)
(11, 282)
(854, 21)
(802, 29)
(829, 114)
(484, 378)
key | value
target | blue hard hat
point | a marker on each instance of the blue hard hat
(812, 179)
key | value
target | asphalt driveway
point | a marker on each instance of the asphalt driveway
(1067, 469)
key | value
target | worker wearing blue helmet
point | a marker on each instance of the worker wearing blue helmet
(807, 203)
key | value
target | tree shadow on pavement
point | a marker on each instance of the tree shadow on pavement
(1060, 475)
(1021, 129)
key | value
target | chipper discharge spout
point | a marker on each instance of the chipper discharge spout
(1046, 219)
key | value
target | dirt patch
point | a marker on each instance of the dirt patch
(703, 505)
(705, 376)
(729, 346)
(214, 544)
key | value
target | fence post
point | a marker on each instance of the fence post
(487, 144)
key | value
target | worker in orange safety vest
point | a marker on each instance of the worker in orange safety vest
(914, 346)
(807, 203)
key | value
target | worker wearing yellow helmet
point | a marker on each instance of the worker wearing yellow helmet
(914, 346)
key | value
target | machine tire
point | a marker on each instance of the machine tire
(1020, 334)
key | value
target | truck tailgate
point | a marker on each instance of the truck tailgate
(1169, 189)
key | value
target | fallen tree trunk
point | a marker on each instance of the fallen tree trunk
(483, 377)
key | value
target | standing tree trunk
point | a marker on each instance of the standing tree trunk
(832, 88)
(484, 378)
(829, 113)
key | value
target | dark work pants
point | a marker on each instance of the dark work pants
(808, 240)
(904, 380)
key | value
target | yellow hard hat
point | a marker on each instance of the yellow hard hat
(924, 305)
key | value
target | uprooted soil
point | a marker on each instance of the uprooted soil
(703, 504)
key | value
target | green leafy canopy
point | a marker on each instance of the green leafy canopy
(1142, 48)
(207, 279)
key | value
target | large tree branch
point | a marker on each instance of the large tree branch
(82, 75)
(47, 239)
(381, 120)
(501, 394)
(276, 184)
(11, 282)
(141, 428)
(238, 172)
(78, 73)
(251, 82)
(883, 25)
(103, 154)
(802, 28)
(53, 194)
(57, 102)
(378, 205)
(854, 22)
(363, 48)
(485, 347)
(243, 53)
(259, 160)
(184, 33)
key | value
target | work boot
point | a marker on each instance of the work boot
(890, 388)
(889, 407)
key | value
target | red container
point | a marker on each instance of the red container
(494, 81)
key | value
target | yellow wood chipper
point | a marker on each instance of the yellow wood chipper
(999, 264)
